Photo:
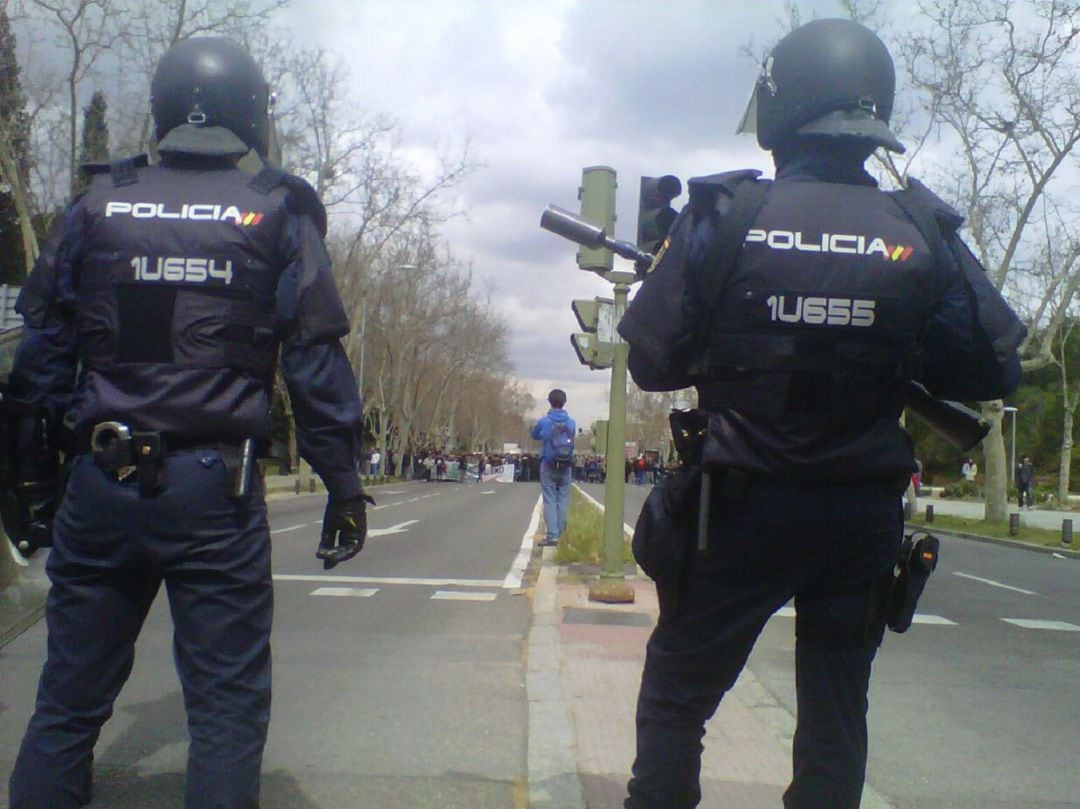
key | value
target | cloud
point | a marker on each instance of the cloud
(540, 89)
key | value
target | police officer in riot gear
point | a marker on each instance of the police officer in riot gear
(797, 330)
(154, 323)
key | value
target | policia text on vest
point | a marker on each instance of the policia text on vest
(961, 426)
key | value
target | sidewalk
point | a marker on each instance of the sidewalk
(1048, 519)
(584, 668)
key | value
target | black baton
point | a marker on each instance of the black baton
(703, 512)
(242, 481)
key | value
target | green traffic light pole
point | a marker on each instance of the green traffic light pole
(611, 586)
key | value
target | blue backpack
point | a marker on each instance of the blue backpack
(562, 444)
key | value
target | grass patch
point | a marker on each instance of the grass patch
(1000, 530)
(583, 540)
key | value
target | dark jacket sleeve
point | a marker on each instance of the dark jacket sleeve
(657, 323)
(322, 388)
(43, 376)
(970, 348)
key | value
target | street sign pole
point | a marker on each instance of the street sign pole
(612, 587)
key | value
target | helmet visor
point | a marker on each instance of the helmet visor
(856, 122)
(748, 122)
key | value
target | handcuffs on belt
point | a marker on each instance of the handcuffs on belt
(121, 452)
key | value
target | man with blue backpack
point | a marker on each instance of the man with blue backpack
(556, 433)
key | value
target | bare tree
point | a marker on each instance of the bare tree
(87, 29)
(647, 417)
(993, 92)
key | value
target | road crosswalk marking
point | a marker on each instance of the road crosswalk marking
(353, 592)
(934, 620)
(1026, 623)
(459, 595)
(428, 582)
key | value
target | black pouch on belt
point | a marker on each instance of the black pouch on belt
(149, 456)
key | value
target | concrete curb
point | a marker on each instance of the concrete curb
(1009, 543)
(554, 782)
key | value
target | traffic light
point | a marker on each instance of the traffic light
(597, 195)
(600, 429)
(655, 214)
(596, 347)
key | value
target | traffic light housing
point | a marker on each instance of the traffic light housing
(655, 214)
(600, 431)
(597, 195)
(596, 346)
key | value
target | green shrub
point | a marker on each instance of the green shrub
(583, 540)
(959, 490)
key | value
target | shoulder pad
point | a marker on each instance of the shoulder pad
(301, 197)
(947, 217)
(92, 167)
(703, 190)
(304, 199)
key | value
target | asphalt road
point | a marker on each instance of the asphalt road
(398, 676)
(977, 706)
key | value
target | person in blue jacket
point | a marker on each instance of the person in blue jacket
(154, 322)
(555, 431)
(800, 332)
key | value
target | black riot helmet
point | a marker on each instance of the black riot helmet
(208, 83)
(830, 78)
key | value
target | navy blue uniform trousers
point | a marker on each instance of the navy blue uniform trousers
(827, 547)
(112, 550)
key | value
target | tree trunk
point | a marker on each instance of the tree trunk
(1065, 466)
(22, 208)
(994, 456)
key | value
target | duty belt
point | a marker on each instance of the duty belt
(119, 450)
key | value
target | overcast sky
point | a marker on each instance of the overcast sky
(542, 89)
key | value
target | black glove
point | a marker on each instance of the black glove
(343, 530)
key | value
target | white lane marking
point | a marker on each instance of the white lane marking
(935, 620)
(628, 529)
(400, 528)
(457, 595)
(426, 582)
(290, 528)
(1059, 626)
(490, 492)
(521, 561)
(993, 583)
(393, 492)
(354, 592)
(920, 618)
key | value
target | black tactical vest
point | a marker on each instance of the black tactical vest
(830, 293)
(175, 305)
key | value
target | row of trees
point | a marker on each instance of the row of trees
(429, 350)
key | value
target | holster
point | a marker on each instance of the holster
(121, 452)
(149, 462)
(894, 599)
(663, 541)
(918, 558)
